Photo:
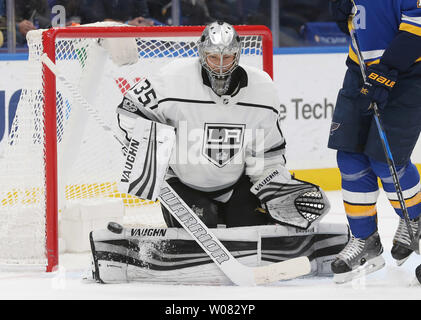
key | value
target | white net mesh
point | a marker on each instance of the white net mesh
(89, 162)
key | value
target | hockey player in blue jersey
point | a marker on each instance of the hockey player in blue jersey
(389, 38)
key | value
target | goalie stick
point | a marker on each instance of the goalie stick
(238, 273)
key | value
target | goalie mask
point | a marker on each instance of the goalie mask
(219, 52)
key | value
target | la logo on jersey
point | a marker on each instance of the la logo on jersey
(222, 142)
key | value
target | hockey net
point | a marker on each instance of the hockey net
(56, 154)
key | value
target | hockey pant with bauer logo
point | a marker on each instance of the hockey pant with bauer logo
(361, 159)
(354, 129)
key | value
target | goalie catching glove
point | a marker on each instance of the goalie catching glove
(291, 201)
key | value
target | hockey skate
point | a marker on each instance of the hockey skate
(360, 257)
(401, 242)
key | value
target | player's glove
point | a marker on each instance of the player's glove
(290, 201)
(379, 83)
(340, 11)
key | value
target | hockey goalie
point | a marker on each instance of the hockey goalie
(210, 129)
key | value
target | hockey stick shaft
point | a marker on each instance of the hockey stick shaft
(85, 104)
(383, 138)
(234, 270)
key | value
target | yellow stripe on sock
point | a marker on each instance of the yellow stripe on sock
(360, 211)
(408, 202)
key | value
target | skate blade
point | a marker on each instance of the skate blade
(370, 266)
(402, 261)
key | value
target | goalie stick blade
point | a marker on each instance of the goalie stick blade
(242, 275)
(285, 270)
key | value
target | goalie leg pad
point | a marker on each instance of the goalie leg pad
(172, 256)
(165, 255)
(320, 243)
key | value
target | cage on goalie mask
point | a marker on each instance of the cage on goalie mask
(219, 39)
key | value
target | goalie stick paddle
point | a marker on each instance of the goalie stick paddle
(238, 273)
(385, 144)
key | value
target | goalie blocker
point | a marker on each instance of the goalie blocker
(147, 159)
(170, 255)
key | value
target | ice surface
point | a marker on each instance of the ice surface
(391, 282)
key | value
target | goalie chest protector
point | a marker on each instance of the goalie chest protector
(214, 133)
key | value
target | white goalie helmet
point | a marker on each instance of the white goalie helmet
(219, 52)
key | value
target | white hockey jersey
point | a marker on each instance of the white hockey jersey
(219, 138)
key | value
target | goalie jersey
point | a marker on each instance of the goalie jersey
(219, 138)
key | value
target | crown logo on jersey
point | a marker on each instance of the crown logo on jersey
(222, 142)
(129, 105)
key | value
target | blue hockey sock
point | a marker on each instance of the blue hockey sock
(360, 191)
(409, 179)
